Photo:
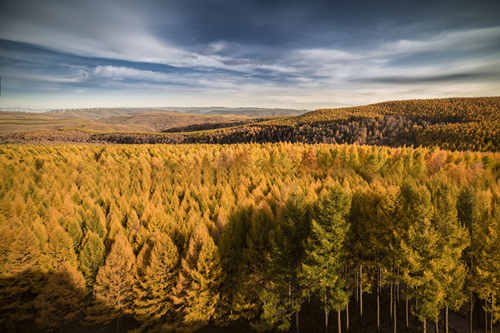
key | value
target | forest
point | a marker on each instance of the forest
(259, 237)
(452, 123)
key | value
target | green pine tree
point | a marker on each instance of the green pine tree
(322, 270)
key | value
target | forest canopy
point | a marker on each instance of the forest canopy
(183, 236)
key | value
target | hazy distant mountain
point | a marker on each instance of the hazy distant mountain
(98, 113)
(247, 111)
(118, 119)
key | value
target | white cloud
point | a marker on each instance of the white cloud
(451, 40)
(121, 73)
(308, 77)
(71, 75)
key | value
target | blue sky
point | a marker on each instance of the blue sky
(299, 54)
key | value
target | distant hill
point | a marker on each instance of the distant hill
(452, 123)
(98, 113)
(121, 119)
(251, 112)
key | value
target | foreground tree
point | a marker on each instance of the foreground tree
(20, 278)
(114, 286)
(454, 238)
(281, 296)
(322, 270)
(198, 287)
(156, 279)
(91, 257)
(487, 267)
(421, 257)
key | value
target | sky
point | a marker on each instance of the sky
(266, 53)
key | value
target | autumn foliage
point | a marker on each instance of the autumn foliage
(184, 236)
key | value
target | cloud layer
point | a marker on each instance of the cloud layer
(254, 53)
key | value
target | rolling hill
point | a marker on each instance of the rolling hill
(452, 123)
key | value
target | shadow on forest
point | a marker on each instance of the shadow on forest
(37, 302)
(34, 301)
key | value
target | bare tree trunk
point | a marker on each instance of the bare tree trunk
(378, 300)
(361, 290)
(485, 317)
(491, 314)
(471, 312)
(395, 316)
(425, 325)
(297, 321)
(436, 326)
(390, 306)
(398, 286)
(339, 324)
(406, 301)
(357, 286)
(446, 319)
(326, 319)
(326, 311)
(347, 315)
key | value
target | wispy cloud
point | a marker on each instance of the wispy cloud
(281, 55)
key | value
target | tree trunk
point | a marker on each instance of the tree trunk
(425, 325)
(326, 311)
(406, 301)
(390, 302)
(357, 286)
(471, 312)
(397, 287)
(395, 316)
(378, 300)
(485, 318)
(361, 291)
(326, 319)
(491, 315)
(347, 315)
(339, 324)
(446, 319)
(436, 326)
(297, 321)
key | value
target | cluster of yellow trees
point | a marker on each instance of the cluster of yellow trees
(450, 123)
(181, 236)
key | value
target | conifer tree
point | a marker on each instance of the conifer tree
(468, 215)
(454, 238)
(114, 285)
(487, 267)
(156, 278)
(323, 263)
(235, 296)
(420, 255)
(91, 256)
(198, 287)
(60, 246)
(283, 266)
(19, 261)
